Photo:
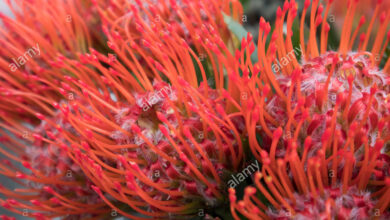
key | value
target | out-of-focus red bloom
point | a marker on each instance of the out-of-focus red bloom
(365, 8)
(41, 34)
(51, 184)
(323, 121)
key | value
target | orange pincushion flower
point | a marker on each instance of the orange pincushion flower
(152, 132)
(157, 147)
(122, 127)
(324, 127)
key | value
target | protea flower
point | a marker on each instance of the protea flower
(324, 127)
(150, 148)
(154, 134)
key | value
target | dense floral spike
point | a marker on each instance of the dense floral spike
(323, 121)
(51, 184)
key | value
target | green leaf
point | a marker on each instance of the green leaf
(239, 31)
(244, 2)
(235, 27)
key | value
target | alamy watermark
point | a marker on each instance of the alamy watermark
(245, 173)
(21, 60)
(284, 61)
(155, 97)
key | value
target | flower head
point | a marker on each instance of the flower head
(323, 120)
(165, 154)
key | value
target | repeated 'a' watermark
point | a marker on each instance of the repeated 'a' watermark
(23, 58)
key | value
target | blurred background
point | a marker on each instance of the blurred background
(4, 8)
